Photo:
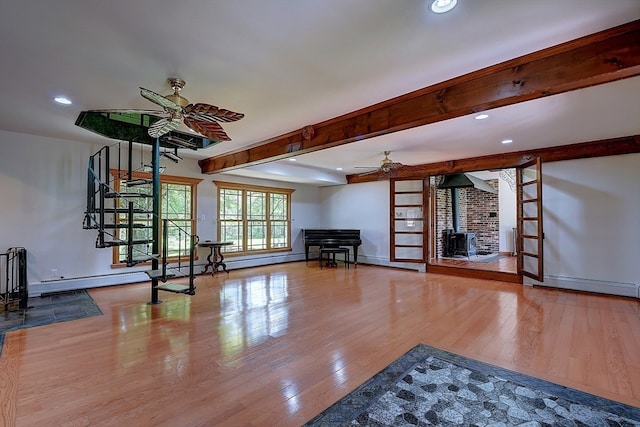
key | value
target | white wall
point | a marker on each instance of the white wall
(43, 197)
(365, 207)
(591, 220)
(507, 216)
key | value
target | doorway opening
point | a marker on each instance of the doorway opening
(473, 220)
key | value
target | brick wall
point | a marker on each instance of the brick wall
(476, 209)
(482, 217)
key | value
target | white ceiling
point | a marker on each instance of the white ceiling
(287, 64)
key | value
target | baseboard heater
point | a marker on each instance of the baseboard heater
(588, 285)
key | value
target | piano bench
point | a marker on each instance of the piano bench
(334, 251)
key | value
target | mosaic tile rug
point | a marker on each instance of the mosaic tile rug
(49, 308)
(432, 387)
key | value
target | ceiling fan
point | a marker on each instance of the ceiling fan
(200, 118)
(386, 165)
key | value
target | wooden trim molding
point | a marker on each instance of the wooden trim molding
(595, 59)
(477, 274)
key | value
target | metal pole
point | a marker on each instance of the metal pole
(130, 234)
(165, 244)
(194, 242)
(155, 223)
(454, 210)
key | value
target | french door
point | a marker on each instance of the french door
(407, 220)
(529, 219)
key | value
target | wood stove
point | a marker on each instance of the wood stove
(459, 243)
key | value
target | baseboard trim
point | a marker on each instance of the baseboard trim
(60, 285)
(385, 262)
(588, 285)
(257, 261)
(125, 278)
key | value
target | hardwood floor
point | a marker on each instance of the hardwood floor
(276, 345)
(503, 263)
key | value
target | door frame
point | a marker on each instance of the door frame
(530, 245)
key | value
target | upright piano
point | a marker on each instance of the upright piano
(330, 237)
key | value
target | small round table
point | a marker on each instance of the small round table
(215, 258)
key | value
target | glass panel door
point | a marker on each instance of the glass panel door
(407, 220)
(529, 218)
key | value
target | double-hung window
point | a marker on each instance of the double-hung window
(254, 218)
(178, 197)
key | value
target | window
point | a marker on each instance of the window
(255, 219)
(177, 205)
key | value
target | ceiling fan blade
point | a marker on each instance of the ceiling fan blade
(211, 130)
(156, 98)
(210, 113)
(130, 111)
(162, 127)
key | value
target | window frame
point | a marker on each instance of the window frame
(244, 188)
(121, 175)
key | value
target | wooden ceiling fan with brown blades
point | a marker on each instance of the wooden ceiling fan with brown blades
(201, 118)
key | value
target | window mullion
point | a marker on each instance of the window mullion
(268, 218)
(245, 221)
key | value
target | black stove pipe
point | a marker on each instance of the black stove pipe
(454, 209)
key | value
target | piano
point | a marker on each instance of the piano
(329, 237)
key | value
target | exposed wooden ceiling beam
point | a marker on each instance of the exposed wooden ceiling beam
(605, 147)
(599, 58)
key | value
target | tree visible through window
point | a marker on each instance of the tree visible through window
(254, 218)
(177, 205)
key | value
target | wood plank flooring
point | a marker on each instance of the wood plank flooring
(275, 345)
(505, 264)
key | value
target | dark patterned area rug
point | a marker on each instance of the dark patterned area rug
(49, 308)
(432, 387)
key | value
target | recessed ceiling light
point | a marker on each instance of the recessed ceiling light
(442, 6)
(481, 116)
(507, 141)
(62, 100)
(293, 160)
(338, 169)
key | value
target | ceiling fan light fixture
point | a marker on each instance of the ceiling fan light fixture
(180, 100)
(443, 6)
(177, 85)
(386, 160)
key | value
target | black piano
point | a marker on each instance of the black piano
(329, 237)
